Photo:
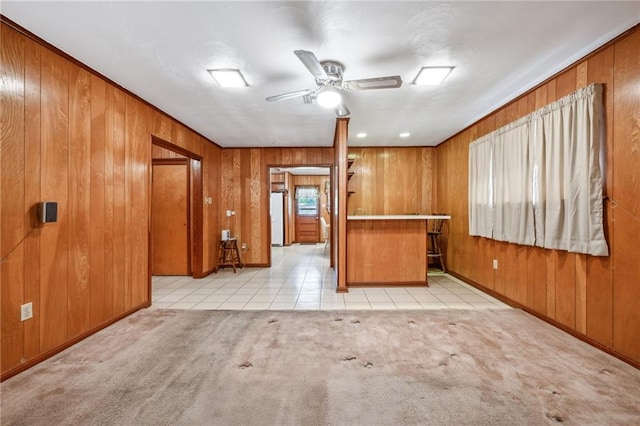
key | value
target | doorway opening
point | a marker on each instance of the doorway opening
(300, 206)
(175, 243)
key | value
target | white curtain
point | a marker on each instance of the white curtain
(545, 178)
(481, 188)
(306, 192)
(513, 185)
(571, 181)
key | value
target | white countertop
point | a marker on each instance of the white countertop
(398, 217)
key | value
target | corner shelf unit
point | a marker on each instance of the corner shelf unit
(278, 182)
(350, 173)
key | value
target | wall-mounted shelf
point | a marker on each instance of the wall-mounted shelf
(278, 183)
(350, 173)
(278, 187)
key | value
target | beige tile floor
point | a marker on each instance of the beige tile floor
(300, 278)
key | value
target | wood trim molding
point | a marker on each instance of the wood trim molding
(207, 272)
(20, 29)
(19, 369)
(170, 161)
(386, 285)
(191, 227)
(548, 320)
(197, 207)
(175, 148)
(332, 244)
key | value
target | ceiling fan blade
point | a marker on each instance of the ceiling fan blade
(289, 95)
(312, 63)
(342, 110)
(391, 82)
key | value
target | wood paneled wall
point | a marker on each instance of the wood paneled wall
(70, 136)
(392, 180)
(211, 227)
(595, 297)
(245, 189)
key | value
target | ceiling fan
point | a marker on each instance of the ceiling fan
(328, 75)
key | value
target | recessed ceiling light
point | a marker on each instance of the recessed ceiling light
(361, 135)
(228, 77)
(404, 134)
(432, 76)
(329, 99)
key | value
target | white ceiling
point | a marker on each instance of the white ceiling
(161, 52)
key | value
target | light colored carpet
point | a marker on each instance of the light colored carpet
(326, 368)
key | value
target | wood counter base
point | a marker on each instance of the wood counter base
(386, 252)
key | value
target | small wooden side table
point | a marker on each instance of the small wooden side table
(229, 254)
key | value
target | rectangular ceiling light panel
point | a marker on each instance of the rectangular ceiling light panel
(228, 78)
(432, 76)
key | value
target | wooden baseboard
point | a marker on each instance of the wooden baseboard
(572, 332)
(51, 352)
(207, 273)
(390, 284)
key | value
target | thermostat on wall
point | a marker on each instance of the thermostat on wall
(48, 211)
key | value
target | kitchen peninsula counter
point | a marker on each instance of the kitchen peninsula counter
(384, 250)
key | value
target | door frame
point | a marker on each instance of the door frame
(195, 208)
(266, 199)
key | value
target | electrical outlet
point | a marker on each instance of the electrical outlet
(244, 247)
(495, 263)
(228, 213)
(26, 311)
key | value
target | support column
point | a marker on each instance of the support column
(340, 202)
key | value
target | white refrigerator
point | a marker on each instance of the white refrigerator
(277, 219)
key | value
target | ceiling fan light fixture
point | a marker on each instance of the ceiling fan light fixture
(432, 76)
(329, 99)
(228, 77)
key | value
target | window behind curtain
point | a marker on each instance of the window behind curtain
(307, 200)
(538, 181)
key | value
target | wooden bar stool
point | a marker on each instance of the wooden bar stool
(433, 249)
(229, 254)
